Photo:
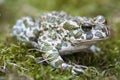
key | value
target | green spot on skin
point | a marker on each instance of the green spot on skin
(64, 44)
(68, 26)
(47, 47)
(45, 29)
(23, 37)
(41, 33)
(71, 33)
(59, 31)
(44, 38)
(64, 39)
(26, 24)
(52, 56)
(58, 63)
(36, 32)
(78, 35)
(82, 37)
(59, 46)
(44, 25)
(53, 37)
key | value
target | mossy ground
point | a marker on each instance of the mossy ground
(18, 62)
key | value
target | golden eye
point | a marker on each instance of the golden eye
(86, 27)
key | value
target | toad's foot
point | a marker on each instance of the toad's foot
(78, 69)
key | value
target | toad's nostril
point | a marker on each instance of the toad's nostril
(99, 34)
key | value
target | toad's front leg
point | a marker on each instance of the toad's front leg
(52, 56)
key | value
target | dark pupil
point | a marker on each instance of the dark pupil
(86, 27)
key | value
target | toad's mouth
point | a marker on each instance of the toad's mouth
(93, 40)
(90, 41)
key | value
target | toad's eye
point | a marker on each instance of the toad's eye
(86, 27)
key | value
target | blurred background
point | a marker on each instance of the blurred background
(11, 10)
